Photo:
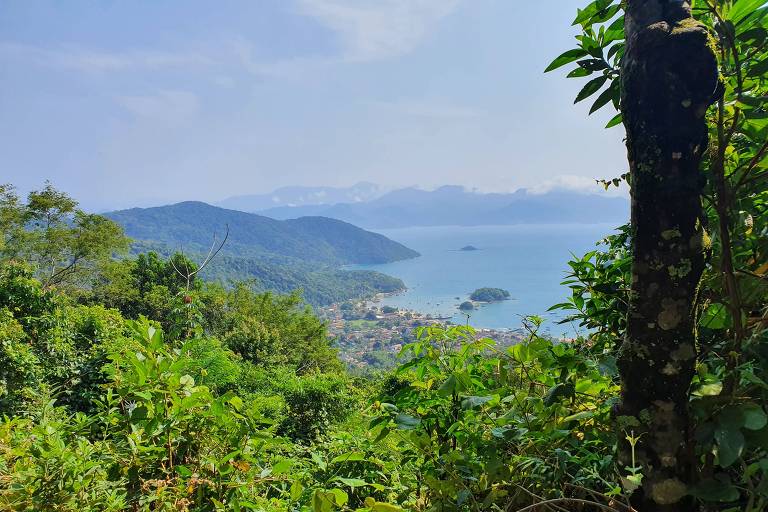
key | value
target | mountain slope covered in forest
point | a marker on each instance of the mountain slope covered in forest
(191, 225)
(280, 256)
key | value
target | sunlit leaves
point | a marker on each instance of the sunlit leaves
(602, 42)
(611, 94)
(591, 88)
(535, 395)
(566, 58)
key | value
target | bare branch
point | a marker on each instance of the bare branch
(176, 269)
(221, 246)
(212, 253)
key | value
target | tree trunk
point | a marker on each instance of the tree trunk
(669, 79)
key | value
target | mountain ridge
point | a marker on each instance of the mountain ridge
(454, 205)
(302, 196)
(192, 224)
(276, 255)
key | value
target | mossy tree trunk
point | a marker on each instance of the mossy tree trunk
(669, 79)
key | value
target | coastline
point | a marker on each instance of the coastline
(369, 335)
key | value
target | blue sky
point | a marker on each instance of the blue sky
(138, 102)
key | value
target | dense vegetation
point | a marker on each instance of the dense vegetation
(320, 286)
(131, 384)
(489, 295)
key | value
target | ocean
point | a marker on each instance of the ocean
(530, 261)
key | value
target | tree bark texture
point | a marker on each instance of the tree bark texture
(669, 79)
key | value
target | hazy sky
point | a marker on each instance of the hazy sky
(136, 102)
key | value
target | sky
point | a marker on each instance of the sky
(138, 102)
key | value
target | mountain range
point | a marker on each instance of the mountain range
(454, 205)
(281, 255)
(303, 196)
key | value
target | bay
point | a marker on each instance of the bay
(530, 261)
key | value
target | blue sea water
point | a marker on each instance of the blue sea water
(528, 260)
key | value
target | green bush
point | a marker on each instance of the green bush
(313, 403)
(480, 428)
(20, 370)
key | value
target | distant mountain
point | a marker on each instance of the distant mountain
(191, 225)
(303, 196)
(453, 205)
(278, 255)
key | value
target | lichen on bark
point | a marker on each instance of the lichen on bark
(669, 79)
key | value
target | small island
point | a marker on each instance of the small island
(466, 306)
(489, 295)
(468, 248)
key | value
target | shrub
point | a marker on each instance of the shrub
(313, 403)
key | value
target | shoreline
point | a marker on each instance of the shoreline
(369, 335)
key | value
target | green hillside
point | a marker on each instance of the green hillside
(280, 256)
(191, 225)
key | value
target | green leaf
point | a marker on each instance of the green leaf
(520, 352)
(351, 482)
(579, 73)
(730, 444)
(759, 69)
(605, 14)
(406, 422)
(584, 16)
(378, 506)
(282, 467)
(715, 317)
(340, 496)
(710, 389)
(566, 58)
(146, 395)
(593, 64)
(584, 415)
(237, 403)
(615, 31)
(558, 392)
(617, 120)
(607, 95)
(318, 460)
(754, 417)
(348, 457)
(472, 402)
(715, 490)
(323, 501)
(382, 434)
(327, 501)
(453, 384)
(296, 490)
(591, 88)
(742, 9)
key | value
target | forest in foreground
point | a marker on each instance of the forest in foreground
(131, 384)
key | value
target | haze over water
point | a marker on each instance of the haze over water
(528, 260)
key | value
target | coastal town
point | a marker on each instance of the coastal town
(370, 335)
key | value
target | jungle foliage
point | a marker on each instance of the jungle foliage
(125, 387)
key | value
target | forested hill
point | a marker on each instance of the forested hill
(191, 225)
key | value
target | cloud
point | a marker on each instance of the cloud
(164, 105)
(378, 29)
(574, 183)
(93, 61)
